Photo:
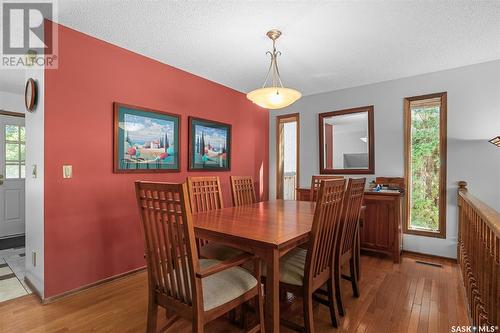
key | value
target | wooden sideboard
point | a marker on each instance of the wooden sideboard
(381, 223)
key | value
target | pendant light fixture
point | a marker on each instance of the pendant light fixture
(274, 96)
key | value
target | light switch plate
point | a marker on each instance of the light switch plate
(67, 171)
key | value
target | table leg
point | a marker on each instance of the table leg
(272, 315)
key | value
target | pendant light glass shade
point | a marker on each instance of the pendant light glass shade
(274, 96)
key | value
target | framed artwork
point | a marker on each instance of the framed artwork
(145, 140)
(209, 145)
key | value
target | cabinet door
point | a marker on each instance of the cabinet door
(378, 227)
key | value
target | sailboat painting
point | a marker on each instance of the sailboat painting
(209, 145)
(145, 140)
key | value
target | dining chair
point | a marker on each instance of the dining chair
(303, 271)
(315, 183)
(242, 190)
(198, 290)
(206, 195)
(346, 250)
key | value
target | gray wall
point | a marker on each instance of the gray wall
(473, 118)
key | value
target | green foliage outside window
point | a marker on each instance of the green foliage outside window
(425, 164)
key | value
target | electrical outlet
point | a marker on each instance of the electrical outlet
(33, 258)
(67, 171)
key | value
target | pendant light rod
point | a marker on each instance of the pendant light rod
(273, 70)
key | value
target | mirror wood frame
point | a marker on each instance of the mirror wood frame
(371, 142)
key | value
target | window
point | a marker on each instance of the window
(425, 165)
(15, 152)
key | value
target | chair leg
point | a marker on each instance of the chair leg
(308, 313)
(354, 276)
(358, 253)
(332, 304)
(152, 315)
(338, 290)
(260, 311)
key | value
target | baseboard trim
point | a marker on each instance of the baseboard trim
(72, 292)
(35, 291)
(433, 256)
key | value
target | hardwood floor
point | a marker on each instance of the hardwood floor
(406, 297)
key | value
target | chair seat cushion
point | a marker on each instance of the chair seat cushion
(292, 266)
(224, 286)
(213, 250)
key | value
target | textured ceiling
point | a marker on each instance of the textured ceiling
(326, 45)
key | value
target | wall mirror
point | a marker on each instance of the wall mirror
(346, 141)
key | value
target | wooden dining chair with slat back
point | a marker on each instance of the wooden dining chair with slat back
(199, 290)
(348, 237)
(243, 190)
(206, 195)
(315, 183)
(303, 271)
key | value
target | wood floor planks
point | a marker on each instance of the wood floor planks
(406, 297)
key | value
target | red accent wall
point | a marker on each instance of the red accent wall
(92, 226)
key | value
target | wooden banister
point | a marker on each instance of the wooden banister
(479, 257)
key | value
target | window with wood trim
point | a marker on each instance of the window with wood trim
(425, 165)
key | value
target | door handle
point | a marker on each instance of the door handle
(1, 179)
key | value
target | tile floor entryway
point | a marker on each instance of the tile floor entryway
(12, 283)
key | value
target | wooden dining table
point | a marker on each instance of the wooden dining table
(267, 229)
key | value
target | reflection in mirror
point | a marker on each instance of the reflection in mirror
(345, 139)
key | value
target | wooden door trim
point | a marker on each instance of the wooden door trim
(443, 110)
(282, 119)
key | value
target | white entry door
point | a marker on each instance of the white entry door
(12, 174)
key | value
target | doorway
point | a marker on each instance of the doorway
(287, 156)
(12, 201)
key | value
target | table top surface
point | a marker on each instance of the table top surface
(274, 223)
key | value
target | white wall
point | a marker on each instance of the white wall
(473, 118)
(34, 123)
(11, 102)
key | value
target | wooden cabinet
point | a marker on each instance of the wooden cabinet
(380, 227)
(381, 222)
